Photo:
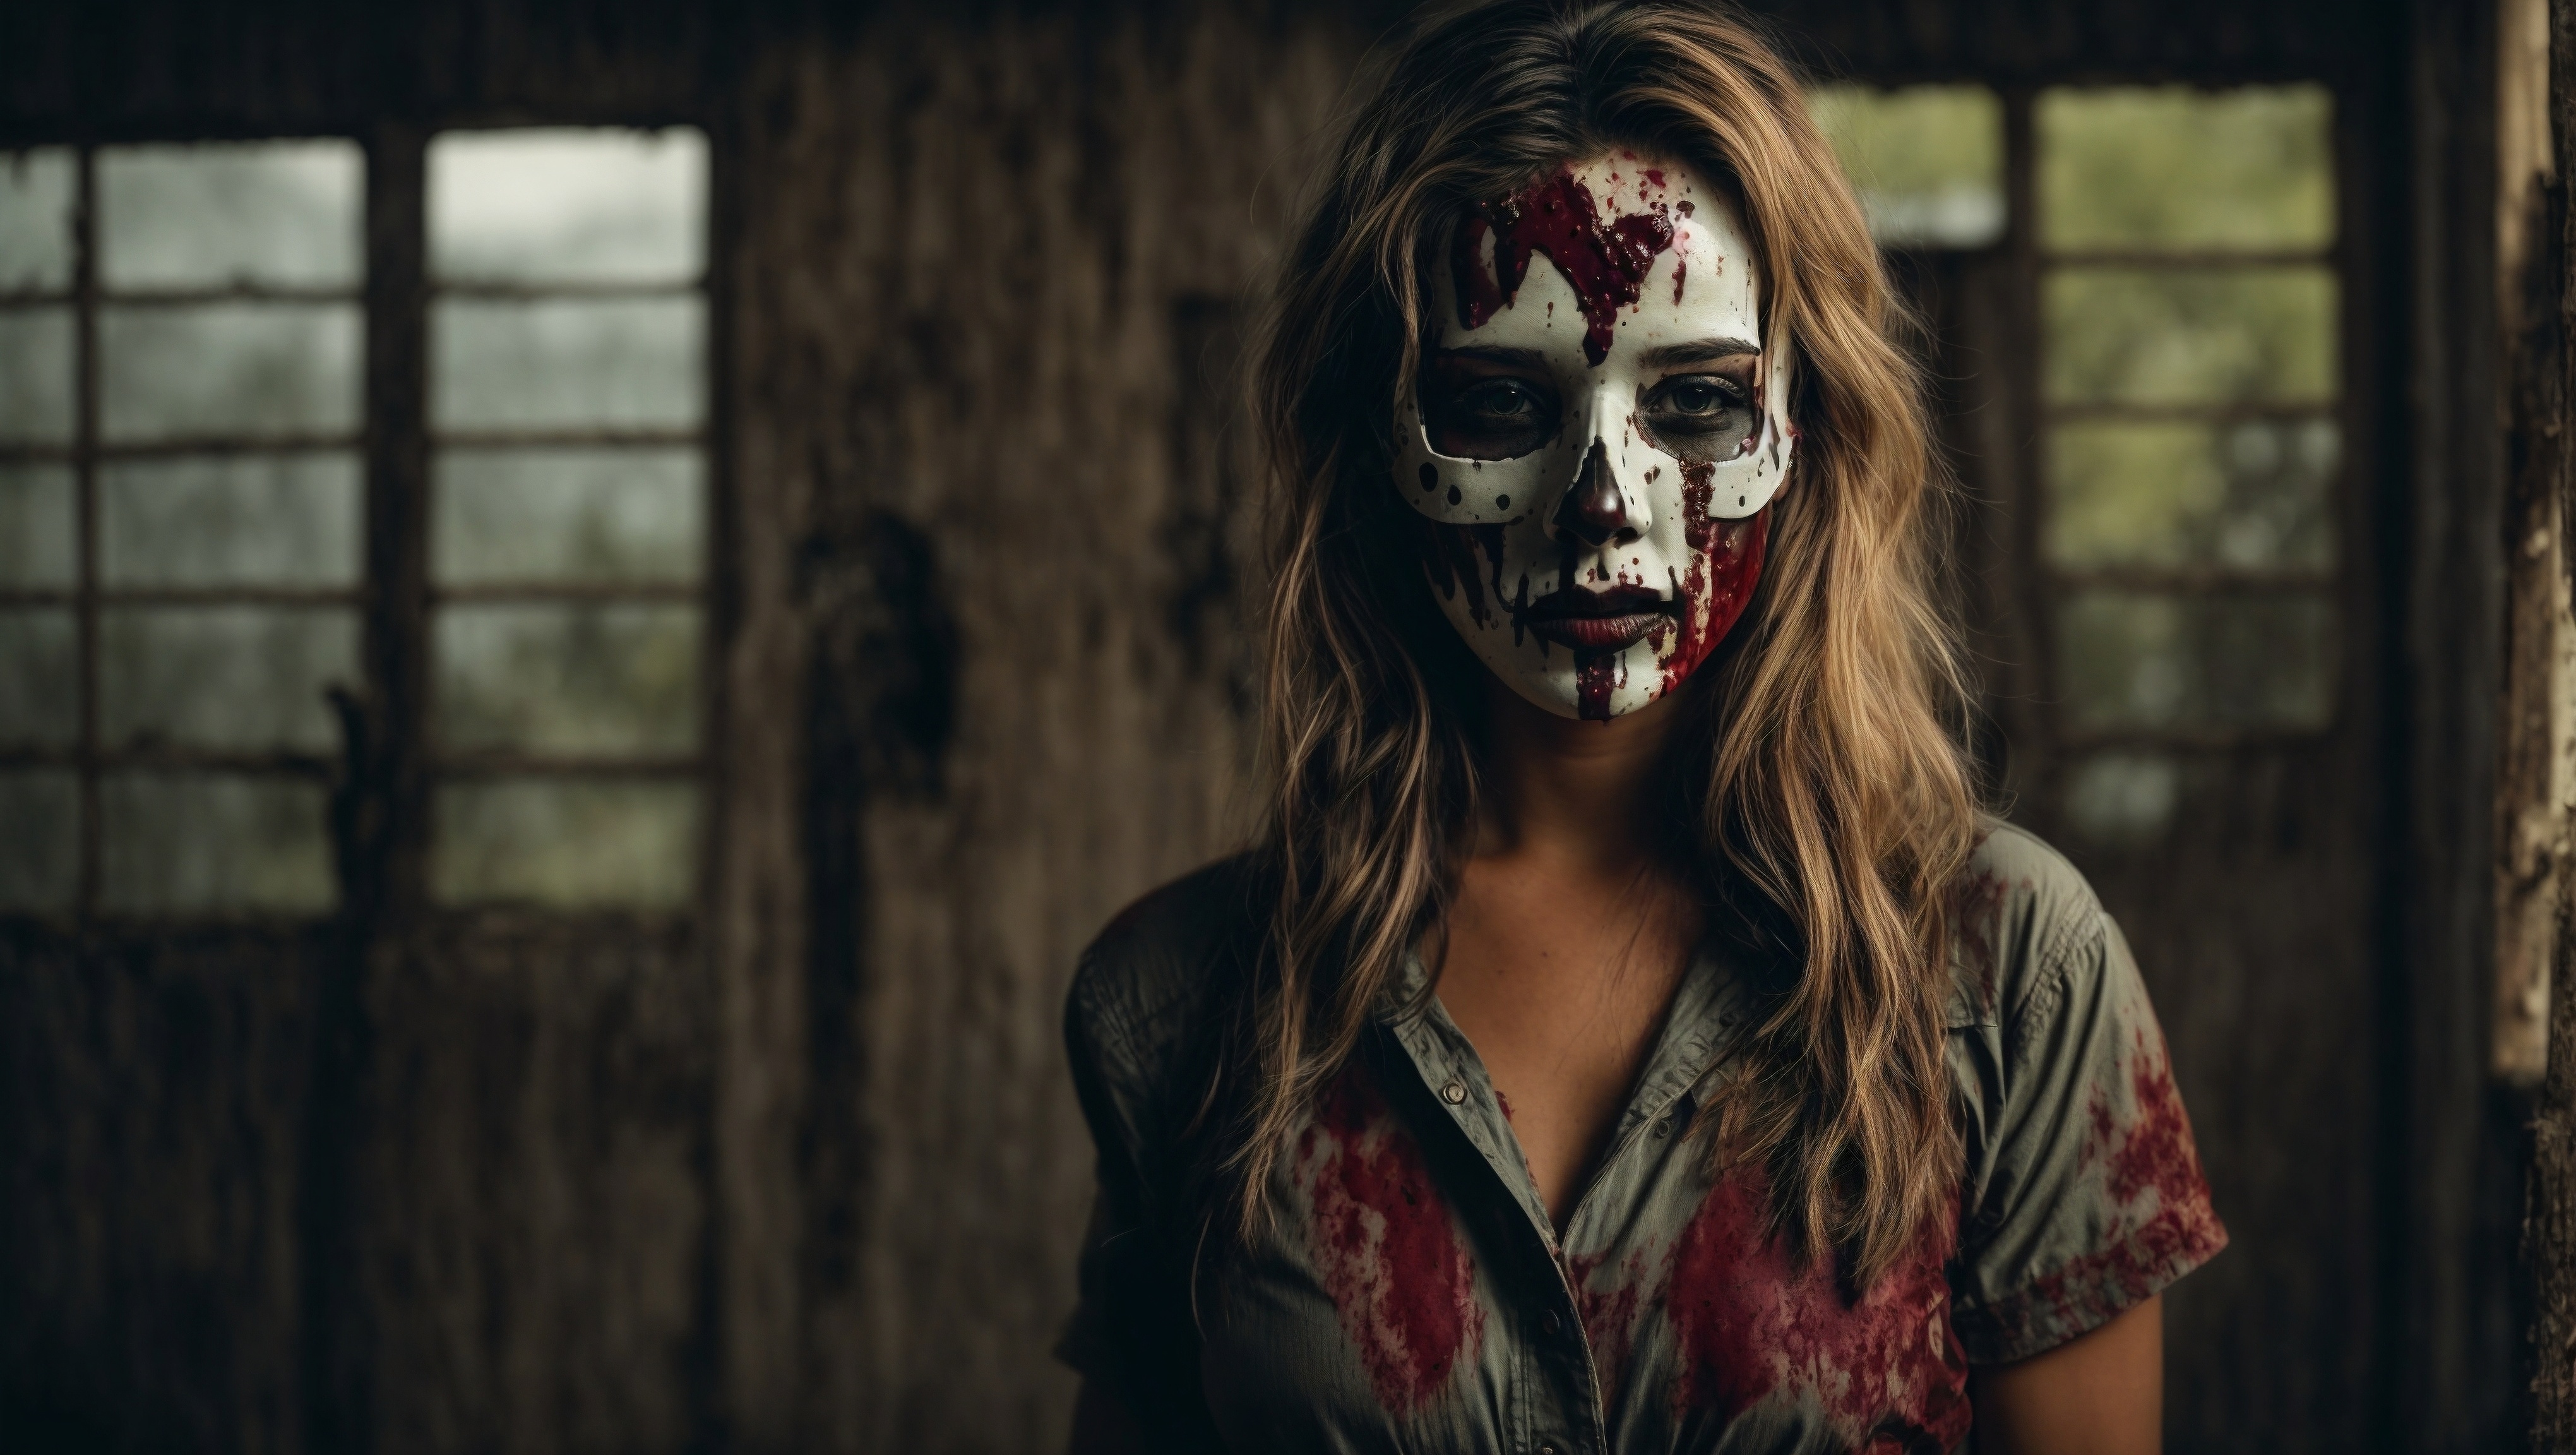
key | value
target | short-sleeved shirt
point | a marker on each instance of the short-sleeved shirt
(1410, 1292)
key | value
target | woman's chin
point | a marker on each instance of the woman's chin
(1596, 686)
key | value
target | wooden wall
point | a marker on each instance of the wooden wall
(806, 1173)
(803, 1172)
(982, 279)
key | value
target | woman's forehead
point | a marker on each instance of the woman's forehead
(1707, 224)
(1617, 253)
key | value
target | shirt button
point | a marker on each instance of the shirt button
(1547, 1323)
(1664, 1127)
(1454, 1093)
(1550, 1447)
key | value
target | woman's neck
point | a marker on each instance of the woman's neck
(1573, 793)
(1568, 932)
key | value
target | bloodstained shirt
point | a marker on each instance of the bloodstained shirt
(1409, 1291)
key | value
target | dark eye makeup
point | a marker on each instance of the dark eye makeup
(1474, 415)
(1699, 416)
(1478, 408)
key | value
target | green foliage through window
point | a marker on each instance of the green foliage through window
(2190, 332)
(1928, 161)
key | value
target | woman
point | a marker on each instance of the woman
(1626, 1034)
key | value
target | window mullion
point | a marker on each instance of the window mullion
(85, 385)
(2034, 733)
(383, 840)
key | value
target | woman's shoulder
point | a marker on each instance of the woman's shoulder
(2083, 1193)
(2026, 920)
(1147, 977)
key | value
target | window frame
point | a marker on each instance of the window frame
(90, 758)
(443, 766)
(2049, 587)
(380, 777)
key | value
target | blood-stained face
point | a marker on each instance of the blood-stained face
(1596, 432)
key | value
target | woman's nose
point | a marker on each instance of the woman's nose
(1595, 510)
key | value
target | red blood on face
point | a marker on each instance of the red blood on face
(1596, 676)
(1385, 1246)
(1725, 566)
(1885, 1369)
(1606, 266)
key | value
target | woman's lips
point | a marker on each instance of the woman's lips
(1599, 621)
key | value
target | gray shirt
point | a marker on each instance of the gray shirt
(1410, 1292)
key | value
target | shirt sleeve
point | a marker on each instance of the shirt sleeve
(1132, 1332)
(2085, 1194)
(1090, 1341)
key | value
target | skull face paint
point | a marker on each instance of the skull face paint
(1596, 433)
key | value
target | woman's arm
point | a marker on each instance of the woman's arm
(1101, 1425)
(2099, 1394)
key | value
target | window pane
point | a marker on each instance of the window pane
(568, 679)
(568, 515)
(36, 526)
(36, 190)
(247, 677)
(2241, 335)
(39, 688)
(228, 369)
(569, 364)
(2122, 799)
(568, 206)
(213, 842)
(267, 520)
(2140, 661)
(218, 213)
(2249, 495)
(2174, 168)
(36, 375)
(40, 851)
(1928, 160)
(564, 844)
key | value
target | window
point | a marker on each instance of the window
(2189, 377)
(184, 505)
(1928, 161)
(180, 339)
(567, 506)
(2187, 380)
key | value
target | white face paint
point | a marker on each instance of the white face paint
(1596, 433)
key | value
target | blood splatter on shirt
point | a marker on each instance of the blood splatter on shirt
(1882, 1368)
(1384, 1243)
(1410, 1291)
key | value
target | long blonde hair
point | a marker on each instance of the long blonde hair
(1832, 801)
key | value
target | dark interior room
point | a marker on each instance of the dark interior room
(597, 599)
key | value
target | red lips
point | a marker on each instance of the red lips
(1600, 621)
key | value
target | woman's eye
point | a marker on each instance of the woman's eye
(1700, 398)
(1488, 418)
(1700, 416)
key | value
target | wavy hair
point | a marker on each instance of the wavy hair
(1823, 791)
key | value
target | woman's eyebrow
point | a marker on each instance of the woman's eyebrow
(1698, 351)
